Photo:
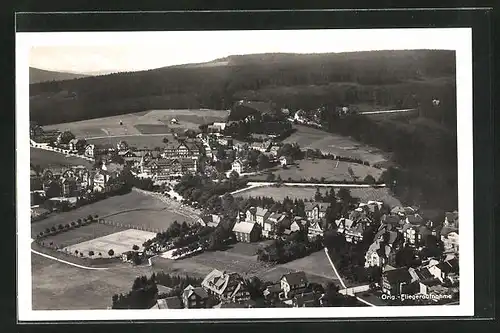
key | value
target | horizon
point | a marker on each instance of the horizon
(106, 52)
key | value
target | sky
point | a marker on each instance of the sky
(98, 52)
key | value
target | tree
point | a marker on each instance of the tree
(233, 176)
(165, 140)
(369, 180)
(91, 253)
(135, 247)
(406, 257)
(111, 252)
(66, 137)
(263, 162)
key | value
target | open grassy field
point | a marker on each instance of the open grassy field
(118, 206)
(279, 193)
(120, 242)
(46, 158)
(146, 122)
(321, 168)
(150, 141)
(81, 234)
(311, 138)
(58, 286)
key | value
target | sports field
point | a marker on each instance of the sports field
(129, 209)
(47, 158)
(312, 138)
(120, 242)
(279, 193)
(330, 170)
(81, 234)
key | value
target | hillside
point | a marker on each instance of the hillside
(292, 80)
(41, 75)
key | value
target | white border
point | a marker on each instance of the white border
(458, 39)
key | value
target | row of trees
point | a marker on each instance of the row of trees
(74, 224)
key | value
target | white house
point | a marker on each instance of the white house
(285, 160)
(89, 150)
(238, 166)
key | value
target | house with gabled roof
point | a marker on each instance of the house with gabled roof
(239, 166)
(168, 303)
(271, 224)
(444, 268)
(261, 215)
(420, 274)
(315, 228)
(293, 283)
(194, 297)
(315, 210)
(414, 234)
(395, 280)
(247, 232)
(225, 286)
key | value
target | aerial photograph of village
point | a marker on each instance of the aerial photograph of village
(270, 179)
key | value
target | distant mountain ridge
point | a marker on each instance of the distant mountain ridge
(41, 75)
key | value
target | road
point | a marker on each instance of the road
(367, 113)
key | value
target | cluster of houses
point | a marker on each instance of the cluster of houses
(230, 291)
(258, 222)
(66, 184)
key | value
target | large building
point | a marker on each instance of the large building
(226, 286)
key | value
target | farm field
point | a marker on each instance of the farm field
(46, 158)
(312, 138)
(241, 259)
(58, 286)
(120, 242)
(81, 234)
(146, 122)
(328, 169)
(279, 193)
(113, 205)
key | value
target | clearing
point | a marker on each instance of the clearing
(146, 122)
(312, 138)
(330, 170)
(81, 234)
(120, 242)
(47, 158)
(128, 209)
(279, 193)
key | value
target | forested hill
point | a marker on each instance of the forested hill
(385, 78)
(41, 75)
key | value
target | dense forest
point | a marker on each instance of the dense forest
(402, 78)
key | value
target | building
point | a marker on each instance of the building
(70, 187)
(239, 166)
(450, 241)
(395, 281)
(212, 220)
(90, 150)
(315, 210)
(247, 232)
(100, 181)
(380, 254)
(420, 274)
(306, 300)
(251, 215)
(426, 287)
(168, 303)
(261, 146)
(444, 268)
(225, 286)
(414, 234)
(293, 284)
(271, 224)
(77, 144)
(285, 160)
(194, 298)
(261, 215)
(122, 145)
(315, 229)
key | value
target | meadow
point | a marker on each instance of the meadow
(329, 169)
(312, 138)
(47, 158)
(129, 209)
(81, 234)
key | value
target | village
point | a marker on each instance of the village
(381, 254)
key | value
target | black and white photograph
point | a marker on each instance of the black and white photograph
(215, 174)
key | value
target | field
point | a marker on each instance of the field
(242, 259)
(322, 168)
(118, 206)
(150, 141)
(46, 158)
(146, 122)
(58, 286)
(81, 234)
(120, 242)
(279, 193)
(311, 138)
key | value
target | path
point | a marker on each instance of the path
(252, 185)
(69, 263)
(386, 111)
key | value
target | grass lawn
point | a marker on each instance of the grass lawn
(46, 158)
(114, 205)
(152, 128)
(314, 138)
(279, 193)
(138, 141)
(81, 234)
(58, 286)
(330, 170)
(150, 219)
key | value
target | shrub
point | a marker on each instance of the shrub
(100, 254)
(81, 254)
(53, 229)
(73, 223)
(66, 226)
(76, 251)
(135, 247)
(91, 253)
(111, 252)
